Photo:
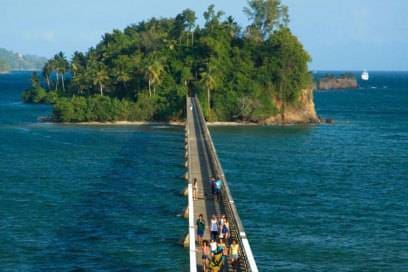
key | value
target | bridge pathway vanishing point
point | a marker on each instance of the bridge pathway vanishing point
(203, 163)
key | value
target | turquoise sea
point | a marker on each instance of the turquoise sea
(312, 198)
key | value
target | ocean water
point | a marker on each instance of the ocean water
(312, 198)
(327, 197)
(87, 198)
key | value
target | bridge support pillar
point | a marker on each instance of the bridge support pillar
(185, 213)
(184, 192)
(185, 240)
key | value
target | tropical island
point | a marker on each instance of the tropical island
(11, 61)
(256, 73)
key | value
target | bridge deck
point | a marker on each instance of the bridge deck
(201, 169)
(203, 163)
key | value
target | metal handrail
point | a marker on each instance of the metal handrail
(240, 234)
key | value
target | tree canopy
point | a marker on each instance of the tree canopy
(145, 71)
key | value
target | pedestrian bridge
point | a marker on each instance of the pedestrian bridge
(202, 163)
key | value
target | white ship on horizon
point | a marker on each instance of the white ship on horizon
(365, 75)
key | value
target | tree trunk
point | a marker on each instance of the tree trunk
(208, 102)
(56, 83)
(62, 81)
(187, 38)
(282, 103)
(47, 78)
(101, 89)
(150, 88)
(192, 39)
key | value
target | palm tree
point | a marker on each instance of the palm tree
(62, 67)
(189, 21)
(54, 68)
(100, 77)
(122, 66)
(46, 73)
(153, 75)
(78, 62)
(209, 82)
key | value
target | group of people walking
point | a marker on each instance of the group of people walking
(220, 248)
(216, 185)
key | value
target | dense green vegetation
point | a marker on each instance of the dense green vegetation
(14, 61)
(145, 71)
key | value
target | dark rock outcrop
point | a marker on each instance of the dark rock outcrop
(342, 82)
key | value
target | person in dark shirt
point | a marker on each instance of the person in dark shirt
(212, 183)
(218, 186)
(200, 228)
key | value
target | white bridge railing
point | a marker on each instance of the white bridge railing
(191, 223)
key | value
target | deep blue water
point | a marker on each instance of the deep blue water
(87, 198)
(312, 198)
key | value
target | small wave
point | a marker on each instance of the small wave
(161, 127)
(12, 103)
(23, 129)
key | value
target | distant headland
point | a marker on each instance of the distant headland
(252, 74)
(11, 61)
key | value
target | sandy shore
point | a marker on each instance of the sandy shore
(146, 123)
(125, 123)
(171, 123)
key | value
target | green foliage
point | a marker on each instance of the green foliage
(35, 95)
(145, 71)
(64, 111)
(145, 107)
(290, 65)
(51, 97)
(266, 16)
(104, 109)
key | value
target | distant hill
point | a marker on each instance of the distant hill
(14, 61)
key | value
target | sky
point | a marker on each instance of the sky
(339, 34)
